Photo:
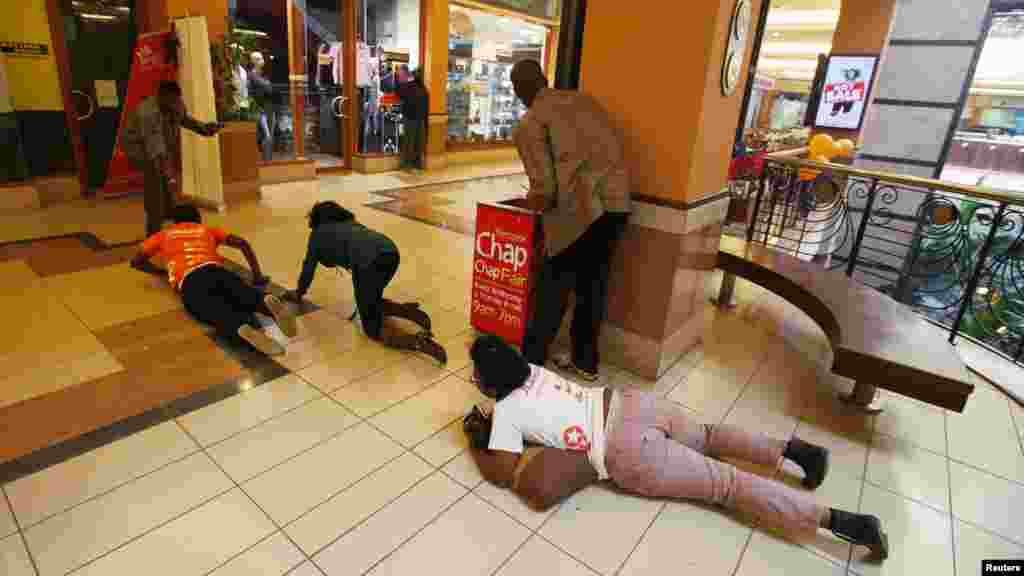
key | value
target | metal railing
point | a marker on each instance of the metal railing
(955, 254)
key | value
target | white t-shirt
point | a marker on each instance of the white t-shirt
(552, 411)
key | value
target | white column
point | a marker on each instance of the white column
(200, 156)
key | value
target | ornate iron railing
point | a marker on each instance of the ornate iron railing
(953, 253)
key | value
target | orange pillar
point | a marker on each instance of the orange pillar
(434, 20)
(658, 71)
(297, 78)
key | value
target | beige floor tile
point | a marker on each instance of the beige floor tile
(987, 501)
(464, 470)
(321, 473)
(837, 491)
(419, 417)
(985, 436)
(449, 323)
(538, 556)
(251, 408)
(341, 370)
(191, 545)
(65, 542)
(470, 538)
(457, 348)
(753, 414)
(906, 418)
(251, 452)
(440, 448)
(88, 295)
(973, 545)
(1018, 417)
(329, 521)
(769, 556)
(714, 542)
(848, 450)
(920, 538)
(904, 468)
(307, 569)
(57, 488)
(679, 372)
(14, 560)
(581, 526)
(709, 390)
(48, 375)
(7, 525)
(372, 541)
(274, 556)
(384, 389)
(301, 354)
(510, 503)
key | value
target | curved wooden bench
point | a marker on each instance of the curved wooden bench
(876, 341)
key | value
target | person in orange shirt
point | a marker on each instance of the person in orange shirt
(211, 293)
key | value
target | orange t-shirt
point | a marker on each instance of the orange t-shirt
(185, 246)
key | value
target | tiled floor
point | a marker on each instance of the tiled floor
(348, 459)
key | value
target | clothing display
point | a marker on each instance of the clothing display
(482, 106)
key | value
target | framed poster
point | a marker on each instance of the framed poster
(844, 95)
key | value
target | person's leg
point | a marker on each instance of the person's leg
(266, 137)
(207, 301)
(554, 282)
(594, 256)
(153, 197)
(407, 143)
(369, 284)
(249, 300)
(236, 302)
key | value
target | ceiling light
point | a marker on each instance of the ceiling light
(795, 48)
(103, 17)
(778, 64)
(776, 34)
(247, 32)
(803, 17)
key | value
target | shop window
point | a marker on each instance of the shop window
(388, 42)
(482, 48)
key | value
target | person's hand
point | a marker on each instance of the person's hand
(292, 296)
(477, 427)
(211, 128)
(261, 281)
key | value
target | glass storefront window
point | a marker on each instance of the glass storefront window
(482, 48)
(387, 52)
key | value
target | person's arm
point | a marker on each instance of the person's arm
(496, 466)
(552, 475)
(148, 249)
(243, 246)
(201, 128)
(309, 265)
(535, 149)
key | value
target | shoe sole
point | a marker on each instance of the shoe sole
(434, 350)
(260, 341)
(824, 474)
(283, 316)
(572, 369)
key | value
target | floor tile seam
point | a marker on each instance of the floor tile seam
(502, 511)
(914, 499)
(538, 534)
(860, 504)
(19, 531)
(913, 444)
(405, 356)
(246, 550)
(1018, 427)
(504, 562)
(1015, 482)
(949, 496)
(433, 384)
(115, 488)
(238, 486)
(622, 565)
(991, 532)
(743, 553)
(405, 541)
(380, 509)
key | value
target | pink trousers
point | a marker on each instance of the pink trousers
(657, 450)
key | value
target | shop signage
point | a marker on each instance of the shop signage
(150, 66)
(24, 49)
(844, 95)
(505, 250)
(6, 106)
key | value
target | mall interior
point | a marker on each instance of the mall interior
(134, 440)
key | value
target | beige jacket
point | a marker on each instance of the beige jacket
(573, 158)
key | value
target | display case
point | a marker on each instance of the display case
(482, 107)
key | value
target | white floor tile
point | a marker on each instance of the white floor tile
(307, 569)
(333, 518)
(60, 487)
(463, 469)
(301, 484)
(906, 418)
(14, 560)
(913, 472)
(273, 556)
(69, 540)
(419, 417)
(191, 545)
(987, 501)
(378, 392)
(372, 541)
(510, 503)
(344, 369)
(444, 445)
(538, 557)
(469, 539)
(233, 415)
(769, 556)
(254, 451)
(973, 545)
(713, 540)
(583, 526)
(920, 538)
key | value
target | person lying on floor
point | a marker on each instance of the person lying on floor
(212, 294)
(649, 446)
(337, 239)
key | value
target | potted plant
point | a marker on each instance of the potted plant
(238, 149)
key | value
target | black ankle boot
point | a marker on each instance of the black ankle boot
(861, 530)
(409, 311)
(812, 458)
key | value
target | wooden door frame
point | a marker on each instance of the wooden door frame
(58, 40)
(348, 53)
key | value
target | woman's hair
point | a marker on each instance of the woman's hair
(186, 213)
(501, 367)
(325, 212)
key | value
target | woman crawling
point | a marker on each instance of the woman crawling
(644, 444)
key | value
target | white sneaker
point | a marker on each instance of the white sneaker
(563, 361)
(260, 341)
(283, 315)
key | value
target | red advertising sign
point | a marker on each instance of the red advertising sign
(842, 92)
(150, 66)
(506, 246)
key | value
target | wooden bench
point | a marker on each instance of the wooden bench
(876, 341)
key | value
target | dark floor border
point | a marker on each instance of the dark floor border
(88, 239)
(897, 160)
(916, 103)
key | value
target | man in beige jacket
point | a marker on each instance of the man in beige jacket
(578, 179)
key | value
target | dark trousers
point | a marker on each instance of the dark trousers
(583, 267)
(413, 141)
(217, 296)
(157, 199)
(369, 286)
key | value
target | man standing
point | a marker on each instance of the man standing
(262, 93)
(414, 118)
(578, 180)
(152, 142)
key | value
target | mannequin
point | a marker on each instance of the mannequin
(262, 95)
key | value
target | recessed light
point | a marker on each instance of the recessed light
(776, 34)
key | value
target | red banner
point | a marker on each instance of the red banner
(150, 66)
(842, 92)
(506, 248)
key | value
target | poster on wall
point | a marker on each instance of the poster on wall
(150, 66)
(844, 96)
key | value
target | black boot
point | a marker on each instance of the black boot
(409, 311)
(812, 458)
(419, 343)
(861, 530)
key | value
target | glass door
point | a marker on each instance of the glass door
(327, 109)
(100, 37)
